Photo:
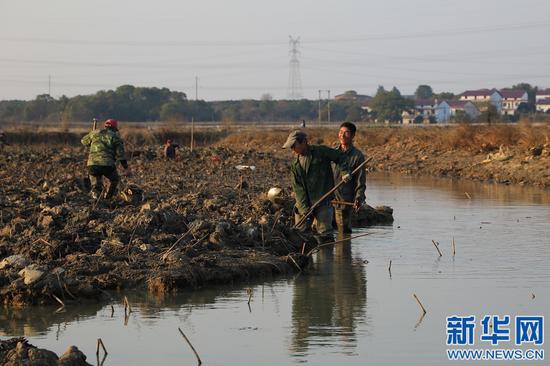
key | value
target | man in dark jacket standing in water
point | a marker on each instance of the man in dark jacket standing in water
(106, 148)
(311, 178)
(354, 190)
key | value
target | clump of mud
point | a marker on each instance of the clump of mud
(184, 223)
(18, 351)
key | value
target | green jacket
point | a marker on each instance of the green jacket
(311, 184)
(354, 190)
(106, 147)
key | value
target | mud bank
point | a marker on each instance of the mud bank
(17, 351)
(507, 165)
(187, 223)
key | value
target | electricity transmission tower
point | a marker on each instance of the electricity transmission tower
(294, 80)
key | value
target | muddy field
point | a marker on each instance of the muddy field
(176, 224)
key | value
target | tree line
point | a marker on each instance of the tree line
(130, 103)
(137, 104)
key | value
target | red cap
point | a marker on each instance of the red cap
(111, 123)
(169, 141)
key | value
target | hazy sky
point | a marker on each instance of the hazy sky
(239, 48)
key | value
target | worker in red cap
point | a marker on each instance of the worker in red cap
(170, 149)
(106, 148)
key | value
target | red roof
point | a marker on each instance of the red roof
(456, 103)
(543, 92)
(512, 93)
(478, 93)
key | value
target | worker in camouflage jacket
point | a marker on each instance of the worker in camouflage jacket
(354, 190)
(312, 178)
(106, 148)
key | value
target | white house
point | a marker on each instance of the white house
(423, 111)
(542, 94)
(483, 97)
(511, 99)
(543, 105)
(425, 107)
(448, 109)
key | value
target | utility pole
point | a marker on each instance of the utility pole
(319, 108)
(328, 105)
(49, 85)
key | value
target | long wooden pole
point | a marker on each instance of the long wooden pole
(310, 211)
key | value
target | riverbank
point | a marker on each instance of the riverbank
(202, 219)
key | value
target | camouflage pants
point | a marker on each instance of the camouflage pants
(97, 172)
(321, 220)
(343, 219)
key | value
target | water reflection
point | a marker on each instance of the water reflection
(146, 308)
(31, 321)
(328, 312)
(463, 188)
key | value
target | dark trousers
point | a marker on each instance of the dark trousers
(343, 219)
(97, 172)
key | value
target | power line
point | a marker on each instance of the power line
(153, 65)
(267, 42)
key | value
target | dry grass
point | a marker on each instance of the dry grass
(463, 136)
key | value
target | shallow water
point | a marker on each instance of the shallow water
(347, 309)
